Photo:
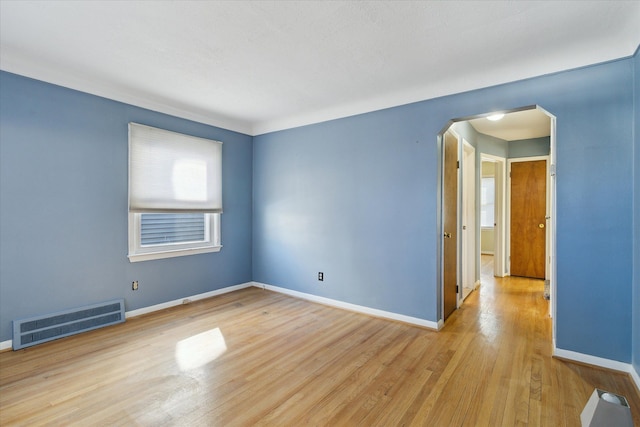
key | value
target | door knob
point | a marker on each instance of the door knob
(541, 225)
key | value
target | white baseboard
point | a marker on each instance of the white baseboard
(353, 307)
(564, 354)
(593, 360)
(598, 361)
(5, 345)
(185, 300)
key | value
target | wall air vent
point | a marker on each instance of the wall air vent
(36, 330)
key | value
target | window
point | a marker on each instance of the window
(175, 194)
(169, 229)
(487, 202)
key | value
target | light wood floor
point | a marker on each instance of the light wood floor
(255, 357)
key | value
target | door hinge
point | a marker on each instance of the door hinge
(457, 289)
(458, 164)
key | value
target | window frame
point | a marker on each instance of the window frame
(137, 252)
(171, 172)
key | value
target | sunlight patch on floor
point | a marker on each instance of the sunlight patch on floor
(198, 350)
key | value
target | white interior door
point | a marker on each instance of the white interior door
(469, 218)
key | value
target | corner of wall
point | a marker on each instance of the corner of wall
(635, 376)
(635, 314)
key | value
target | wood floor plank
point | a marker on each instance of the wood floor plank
(258, 358)
(341, 383)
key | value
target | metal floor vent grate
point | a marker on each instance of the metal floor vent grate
(36, 330)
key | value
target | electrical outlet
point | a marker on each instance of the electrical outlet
(134, 285)
(321, 276)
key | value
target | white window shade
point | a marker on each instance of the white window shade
(171, 172)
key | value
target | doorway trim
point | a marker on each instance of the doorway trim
(499, 262)
(551, 209)
(469, 271)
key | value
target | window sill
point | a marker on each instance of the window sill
(172, 254)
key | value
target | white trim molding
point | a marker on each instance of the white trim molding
(587, 359)
(353, 307)
(186, 300)
(6, 345)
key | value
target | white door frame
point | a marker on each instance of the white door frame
(499, 252)
(469, 218)
(551, 223)
(458, 221)
(441, 195)
(551, 229)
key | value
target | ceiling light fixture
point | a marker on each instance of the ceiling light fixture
(495, 117)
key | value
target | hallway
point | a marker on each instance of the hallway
(508, 359)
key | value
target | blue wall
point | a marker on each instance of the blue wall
(636, 207)
(529, 147)
(494, 146)
(326, 199)
(63, 206)
(356, 199)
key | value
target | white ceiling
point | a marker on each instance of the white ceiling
(259, 66)
(517, 125)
